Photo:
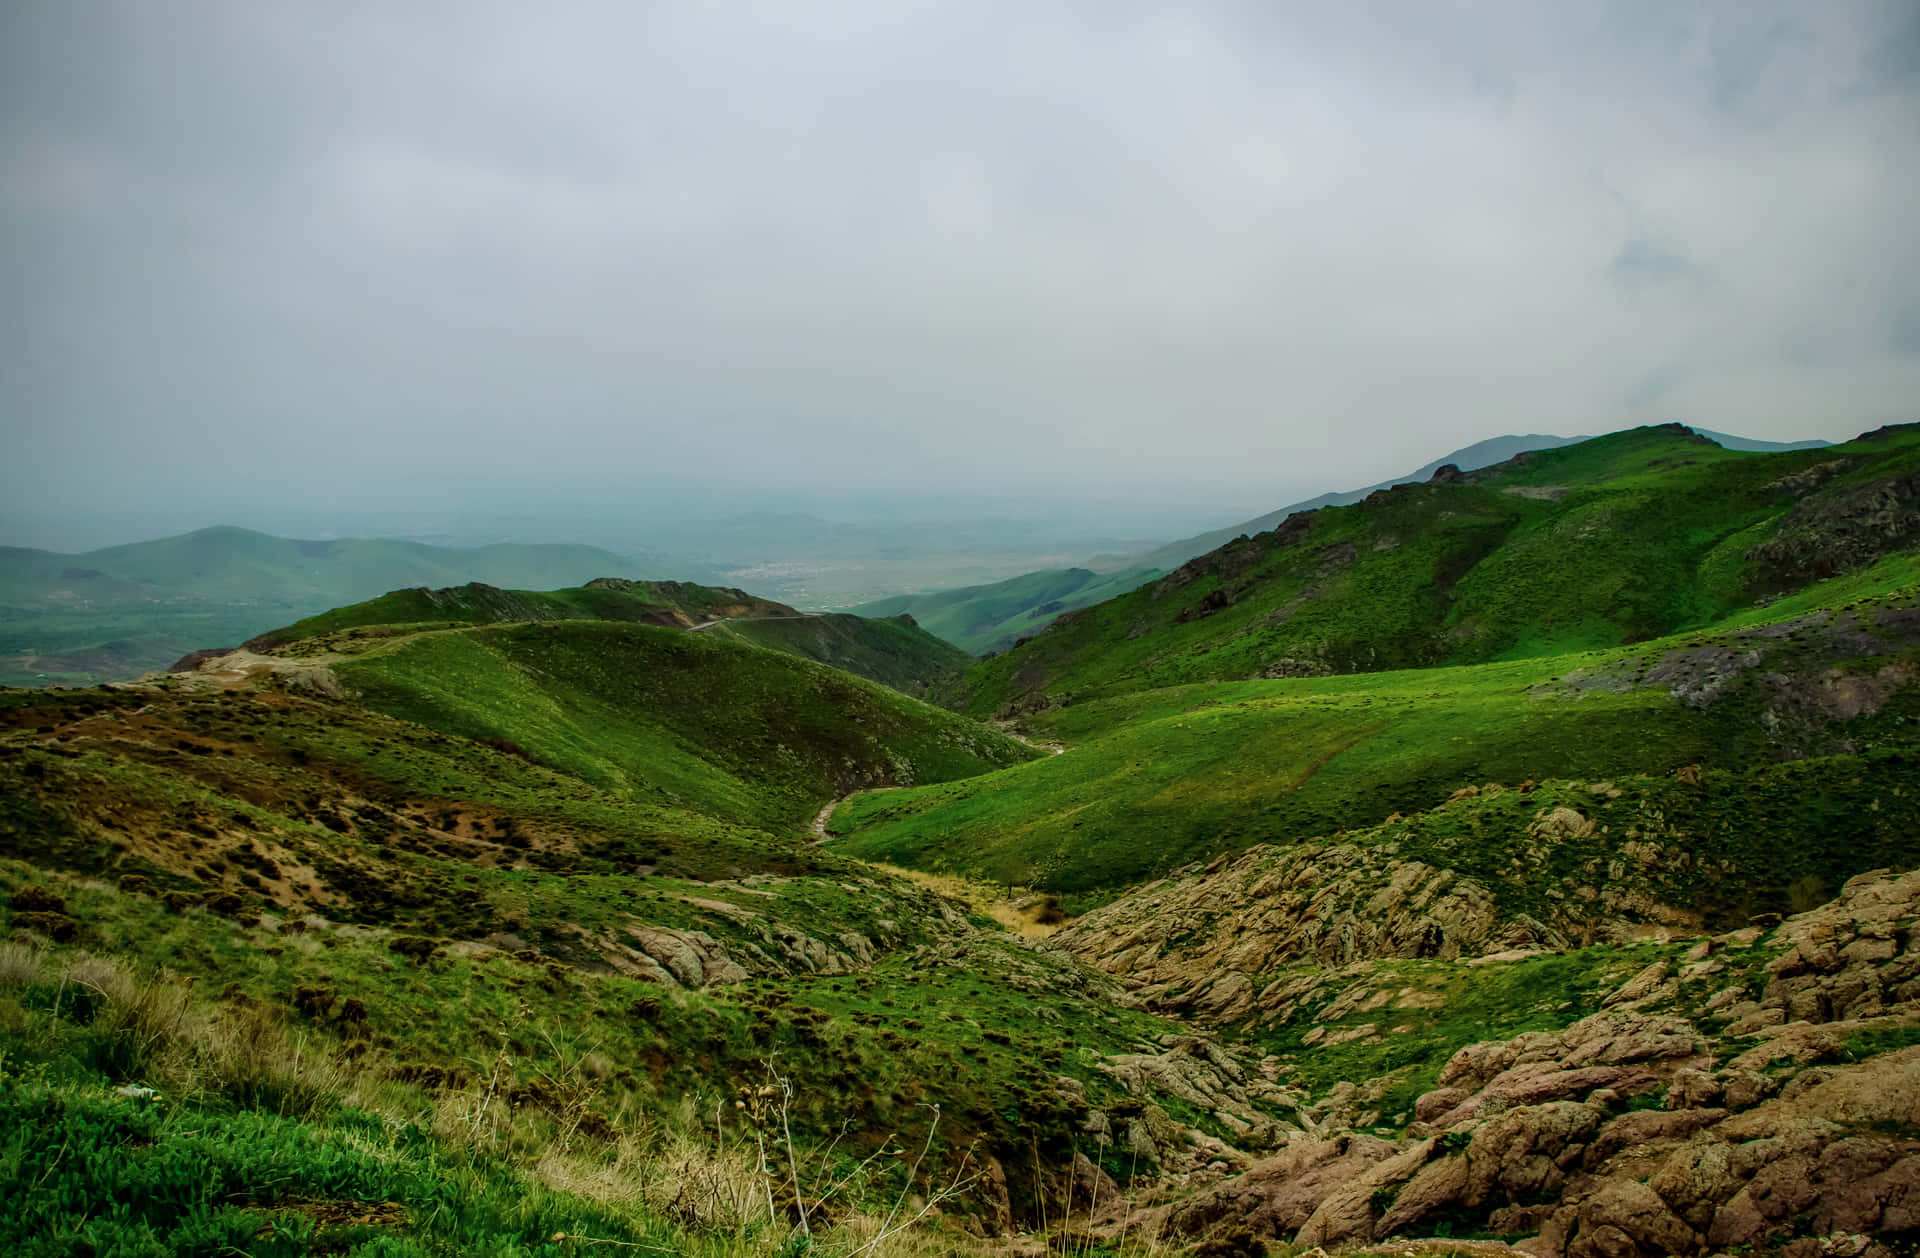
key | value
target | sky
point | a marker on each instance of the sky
(1177, 257)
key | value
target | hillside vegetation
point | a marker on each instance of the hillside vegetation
(450, 998)
(989, 618)
(895, 651)
(1156, 778)
(677, 603)
(732, 730)
(1612, 541)
(1530, 856)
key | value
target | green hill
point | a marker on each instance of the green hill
(476, 916)
(1614, 540)
(892, 650)
(114, 613)
(895, 652)
(690, 720)
(1470, 458)
(677, 603)
(1156, 778)
(480, 920)
(988, 618)
(985, 618)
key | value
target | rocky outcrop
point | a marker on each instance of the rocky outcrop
(1839, 529)
(1195, 944)
(1760, 1117)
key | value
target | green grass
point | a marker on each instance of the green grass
(647, 602)
(1865, 1044)
(962, 1047)
(1612, 541)
(689, 720)
(892, 651)
(86, 1171)
(1157, 778)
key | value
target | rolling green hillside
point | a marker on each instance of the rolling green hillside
(985, 618)
(1616, 540)
(894, 652)
(112, 614)
(989, 618)
(683, 719)
(677, 603)
(1453, 823)
(512, 961)
(1156, 778)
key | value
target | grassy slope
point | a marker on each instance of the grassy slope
(648, 602)
(983, 618)
(527, 1084)
(473, 1090)
(1615, 540)
(891, 651)
(1157, 778)
(682, 719)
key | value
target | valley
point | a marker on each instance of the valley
(1518, 860)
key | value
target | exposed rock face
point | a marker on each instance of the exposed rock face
(1839, 529)
(1194, 943)
(1768, 1133)
(1207, 943)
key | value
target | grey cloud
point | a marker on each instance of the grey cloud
(1224, 249)
(1495, 86)
(1644, 264)
(1905, 334)
(1761, 70)
(1891, 60)
(1655, 385)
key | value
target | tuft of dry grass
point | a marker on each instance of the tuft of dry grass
(1029, 914)
(20, 965)
(258, 1064)
(157, 1031)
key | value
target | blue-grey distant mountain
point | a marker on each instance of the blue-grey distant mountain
(1749, 443)
(112, 614)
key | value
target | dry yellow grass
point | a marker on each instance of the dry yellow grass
(1029, 914)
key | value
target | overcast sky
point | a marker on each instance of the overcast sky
(338, 253)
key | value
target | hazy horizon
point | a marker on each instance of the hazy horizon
(1130, 270)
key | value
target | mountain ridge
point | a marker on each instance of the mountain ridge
(1635, 534)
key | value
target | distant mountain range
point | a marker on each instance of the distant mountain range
(114, 613)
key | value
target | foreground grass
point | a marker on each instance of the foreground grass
(240, 1139)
